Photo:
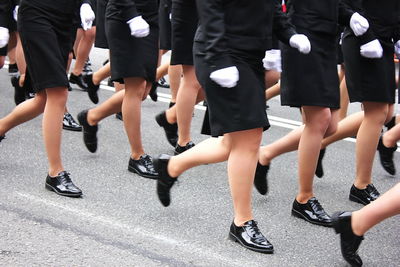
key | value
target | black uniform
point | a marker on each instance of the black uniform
(228, 37)
(45, 28)
(131, 56)
(372, 79)
(101, 38)
(312, 79)
(184, 25)
(7, 19)
(164, 12)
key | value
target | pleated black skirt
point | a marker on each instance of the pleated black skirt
(369, 79)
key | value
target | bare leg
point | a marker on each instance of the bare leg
(317, 120)
(21, 63)
(385, 206)
(211, 150)
(11, 47)
(391, 137)
(25, 111)
(107, 108)
(101, 74)
(273, 91)
(162, 71)
(242, 164)
(52, 127)
(186, 101)
(347, 127)
(271, 78)
(174, 74)
(131, 111)
(375, 115)
(83, 49)
(344, 100)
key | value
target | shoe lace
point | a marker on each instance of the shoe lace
(372, 189)
(65, 177)
(147, 162)
(255, 232)
(316, 207)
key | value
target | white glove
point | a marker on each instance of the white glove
(15, 13)
(397, 49)
(226, 77)
(272, 60)
(301, 43)
(87, 16)
(139, 27)
(4, 36)
(372, 49)
(358, 24)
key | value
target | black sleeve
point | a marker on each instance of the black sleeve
(396, 36)
(346, 9)
(211, 14)
(5, 11)
(128, 9)
(282, 28)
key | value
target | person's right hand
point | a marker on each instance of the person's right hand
(301, 43)
(372, 49)
(139, 27)
(226, 77)
(358, 24)
(4, 36)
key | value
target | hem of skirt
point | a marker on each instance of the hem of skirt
(296, 105)
(264, 126)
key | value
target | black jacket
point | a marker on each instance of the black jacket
(6, 11)
(60, 6)
(241, 25)
(124, 10)
(383, 17)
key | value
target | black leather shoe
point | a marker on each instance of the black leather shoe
(143, 167)
(62, 185)
(19, 92)
(171, 130)
(164, 182)
(250, 237)
(118, 115)
(89, 132)
(78, 80)
(180, 149)
(260, 179)
(92, 89)
(364, 196)
(349, 242)
(319, 171)
(171, 104)
(386, 157)
(312, 212)
(163, 83)
(2, 137)
(13, 69)
(153, 92)
(70, 124)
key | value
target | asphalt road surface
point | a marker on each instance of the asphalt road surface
(120, 222)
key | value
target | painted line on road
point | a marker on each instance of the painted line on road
(115, 224)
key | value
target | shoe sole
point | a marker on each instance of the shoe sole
(50, 188)
(133, 170)
(357, 200)
(299, 215)
(235, 239)
(72, 129)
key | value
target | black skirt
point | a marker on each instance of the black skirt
(164, 21)
(101, 38)
(184, 25)
(46, 37)
(131, 56)
(369, 79)
(312, 79)
(242, 107)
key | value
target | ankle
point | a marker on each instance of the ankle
(183, 142)
(355, 225)
(95, 79)
(76, 73)
(169, 117)
(90, 118)
(172, 169)
(360, 185)
(54, 172)
(240, 221)
(303, 198)
(137, 155)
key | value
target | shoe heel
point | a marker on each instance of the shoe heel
(48, 187)
(232, 237)
(356, 199)
(296, 214)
